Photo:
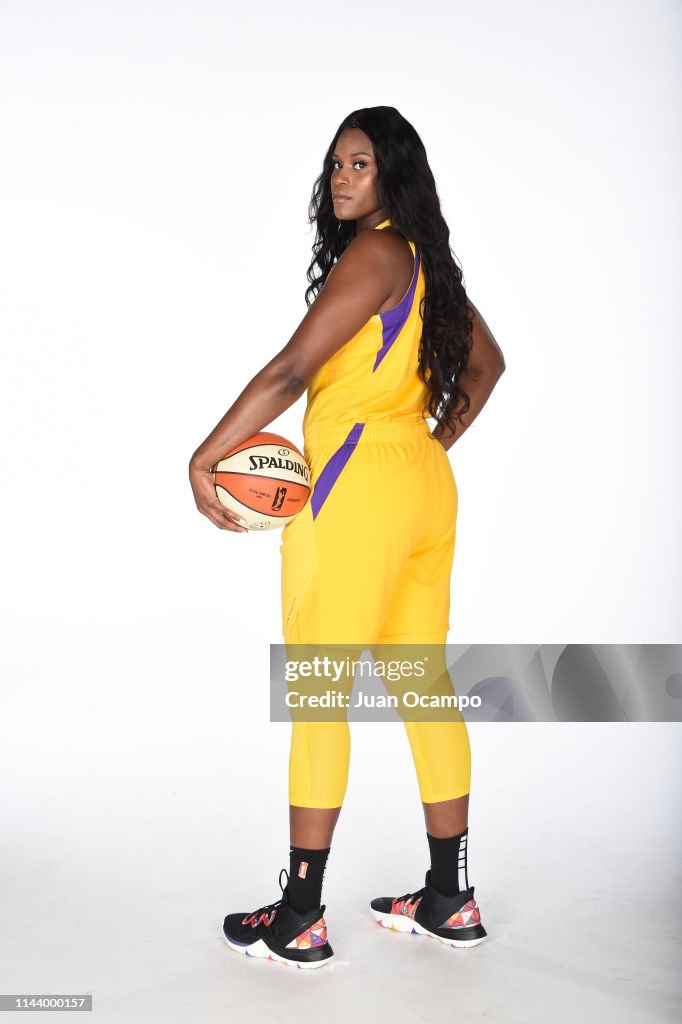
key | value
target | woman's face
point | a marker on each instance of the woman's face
(354, 174)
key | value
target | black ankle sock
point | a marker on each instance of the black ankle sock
(449, 863)
(306, 874)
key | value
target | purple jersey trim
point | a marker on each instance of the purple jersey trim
(393, 320)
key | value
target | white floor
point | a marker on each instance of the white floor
(120, 861)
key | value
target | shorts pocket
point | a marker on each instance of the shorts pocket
(299, 563)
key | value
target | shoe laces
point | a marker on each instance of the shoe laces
(410, 897)
(266, 913)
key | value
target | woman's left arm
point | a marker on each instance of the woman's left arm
(485, 367)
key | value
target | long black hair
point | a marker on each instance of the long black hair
(406, 189)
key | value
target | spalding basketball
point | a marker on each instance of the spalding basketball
(266, 480)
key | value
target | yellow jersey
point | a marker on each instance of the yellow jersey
(374, 375)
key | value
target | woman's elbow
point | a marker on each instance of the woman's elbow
(490, 370)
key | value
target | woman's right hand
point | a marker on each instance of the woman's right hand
(207, 501)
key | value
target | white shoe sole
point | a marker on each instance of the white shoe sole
(402, 923)
(259, 949)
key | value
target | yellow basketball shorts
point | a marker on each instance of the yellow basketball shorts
(368, 561)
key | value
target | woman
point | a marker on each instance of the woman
(391, 337)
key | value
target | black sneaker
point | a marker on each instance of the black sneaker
(455, 920)
(277, 932)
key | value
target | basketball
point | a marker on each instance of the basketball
(265, 480)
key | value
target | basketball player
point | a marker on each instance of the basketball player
(390, 340)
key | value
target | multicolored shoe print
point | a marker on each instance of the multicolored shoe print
(316, 935)
(406, 905)
(468, 916)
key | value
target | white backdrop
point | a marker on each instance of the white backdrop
(157, 162)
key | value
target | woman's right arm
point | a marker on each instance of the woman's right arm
(363, 279)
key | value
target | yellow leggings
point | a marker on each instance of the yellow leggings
(368, 562)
